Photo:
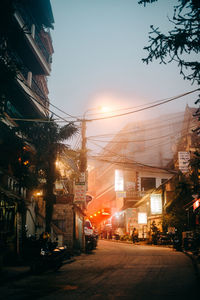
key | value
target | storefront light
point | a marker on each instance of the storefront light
(119, 181)
(142, 218)
(156, 204)
(196, 204)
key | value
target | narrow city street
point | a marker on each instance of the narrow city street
(113, 271)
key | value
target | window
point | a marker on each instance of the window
(148, 183)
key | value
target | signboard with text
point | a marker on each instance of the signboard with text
(156, 204)
(142, 218)
(196, 204)
(119, 181)
(79, 193)
(183, 161)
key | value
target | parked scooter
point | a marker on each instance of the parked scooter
(177, 243)
(47, 260)
(44, 255)
(91, 237)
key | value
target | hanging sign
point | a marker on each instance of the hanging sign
(79, 193)
(142, 218)
(156, 204)
(196, 204)
(119, 181)
(183, 161)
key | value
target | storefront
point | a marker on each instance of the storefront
(10, 225)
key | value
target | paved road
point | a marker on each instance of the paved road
(113, 271)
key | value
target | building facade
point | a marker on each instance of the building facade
(133, 166)
(25, 62)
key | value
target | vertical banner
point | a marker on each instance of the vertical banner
(119, 181)
(156, 204)
(79, 193)
(183, 161)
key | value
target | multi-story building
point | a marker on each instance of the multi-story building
(25, 62)
(137, 161)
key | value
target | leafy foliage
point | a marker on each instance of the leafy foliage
(176, 215)
(180, 42)
(180, 45)
(155, 232)
(16, 159)
(46, 138)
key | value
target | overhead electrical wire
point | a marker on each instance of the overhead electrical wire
(140, 141)
(126, 108)
(126, 157)
(137, 130)
(142, 109)
(130, 141)
(77, 142)
(132, 164)
(153, 146)
(45, 99)
(41, 103)
(77, 119)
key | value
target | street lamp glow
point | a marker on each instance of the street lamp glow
(104, 109)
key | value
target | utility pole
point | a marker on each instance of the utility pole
(83, 162)
(83, 169)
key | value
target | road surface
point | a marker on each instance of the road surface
(113, 271)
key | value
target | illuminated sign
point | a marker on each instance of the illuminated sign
(156, 204)
(196, 204)
(105, 211)
(142, 218)
(119, 181)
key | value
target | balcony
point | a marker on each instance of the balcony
(35, 88)
(38, 40)
(135, 195)
(39, 86)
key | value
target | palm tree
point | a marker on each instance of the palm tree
(47, 138)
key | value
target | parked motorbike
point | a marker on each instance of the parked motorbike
(47, 260)
(192, 243)
(45, 255)
(177, 243)
(91, 237)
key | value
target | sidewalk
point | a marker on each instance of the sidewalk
(12, 273)
(196, 262)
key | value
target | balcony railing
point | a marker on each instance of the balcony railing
(135, 194)
(21, 69)
(29, 21)
(36, 87)
(15, 62)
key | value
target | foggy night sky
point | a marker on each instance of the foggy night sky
(98, 55)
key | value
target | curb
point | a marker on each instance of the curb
(195, 263)
(68, 261)
(7, 276)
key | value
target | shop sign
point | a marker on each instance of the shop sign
(183, 161)
(79, 193)
(196, 204)
(156, 204)
(142, 218)
(119, 181)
